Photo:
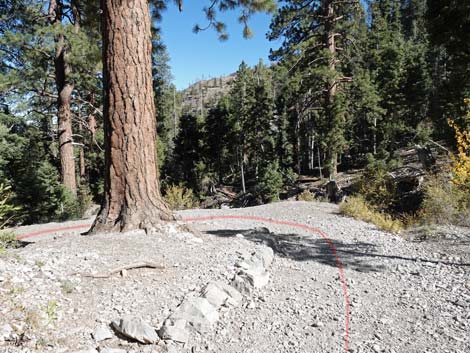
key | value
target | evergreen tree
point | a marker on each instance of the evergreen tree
(387, 62)
(241, 101)
(258, 125)
(219, 151)
(187, 167)
(313, 32)
(448, 22)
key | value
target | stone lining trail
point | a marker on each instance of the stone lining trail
(405, 296)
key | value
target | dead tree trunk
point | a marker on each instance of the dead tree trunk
(64, 88)
(132, 194)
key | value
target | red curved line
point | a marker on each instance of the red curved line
(311, 229)
(254, 218)
(52, 230)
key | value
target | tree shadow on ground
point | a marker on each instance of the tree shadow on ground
(359, 256)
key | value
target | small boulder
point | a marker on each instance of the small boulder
(175, 330)
(264, 254)
(247, 280)
(218, 294)
(102, 333)
(198, 312)
(137, 329)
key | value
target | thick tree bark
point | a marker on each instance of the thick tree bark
(132, 195)
(64, 89)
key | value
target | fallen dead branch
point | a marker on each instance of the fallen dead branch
(142, 264)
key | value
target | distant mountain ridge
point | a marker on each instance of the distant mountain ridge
(203, 94)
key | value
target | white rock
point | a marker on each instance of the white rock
(6, 333)
(265, 254)
(102, 333)
(246, 280)
(137, 329)
(175, 330)
(198, 312)
(219, 294)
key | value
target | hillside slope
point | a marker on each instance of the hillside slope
(204, 93)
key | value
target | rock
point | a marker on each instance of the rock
(6, 333)
(219, 294)
(91, 350)
(102, 333)
(242, 285)
(175, 330)
(254, 267)
(198, 312)
(247, 280)
(265, 254)
(136, 329)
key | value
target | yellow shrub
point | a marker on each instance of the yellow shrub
(306, 195)
(461, 161)
(179, 198)
(357, 207)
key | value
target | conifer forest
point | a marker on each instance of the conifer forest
(352, 87)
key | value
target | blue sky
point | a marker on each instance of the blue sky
(196, 56)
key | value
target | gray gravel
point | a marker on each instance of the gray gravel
(405, 296)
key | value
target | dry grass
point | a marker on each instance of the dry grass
(306, 195)
(358, 208)
(7, 240)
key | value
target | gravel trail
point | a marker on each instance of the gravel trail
(405, 296)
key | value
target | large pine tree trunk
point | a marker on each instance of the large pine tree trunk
(64, 89)
(132, 195)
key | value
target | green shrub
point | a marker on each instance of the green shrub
(357, 207)
(375, 186)
(270, 182)
(69, 206)
(7, 209)
(444, 202)
(290, 177)
(179, 197)
(84, 199)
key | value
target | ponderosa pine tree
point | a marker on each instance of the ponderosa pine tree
(42, 57)
(132, 193)
(65, 88)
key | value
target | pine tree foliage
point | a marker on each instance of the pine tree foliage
(351, 82)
